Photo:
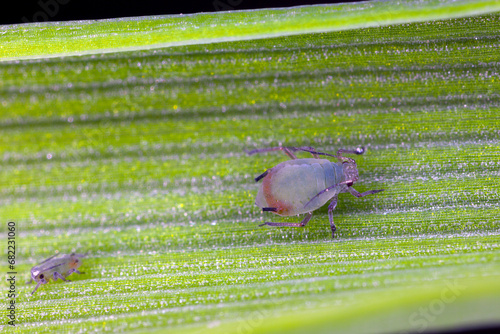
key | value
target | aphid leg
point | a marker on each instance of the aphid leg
(287, 150)
(73, 271)
(302, 223)
(57, 275)
(331, 207)
(261, 176)
(326, 190)
(30, 281)
(36, 287)
(356, 193)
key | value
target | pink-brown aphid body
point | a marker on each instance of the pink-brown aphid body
(56, 267)
(290, 185)
(300, 186)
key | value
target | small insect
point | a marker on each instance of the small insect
(57, 266)
(300, 186)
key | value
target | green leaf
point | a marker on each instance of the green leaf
(139, 157)
(139, 33)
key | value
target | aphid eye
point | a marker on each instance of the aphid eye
(42, 276)
(76, 260)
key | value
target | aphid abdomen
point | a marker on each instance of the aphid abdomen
(268, 192)
(291, 184)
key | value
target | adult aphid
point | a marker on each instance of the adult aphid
(303, 185)
(56, 267)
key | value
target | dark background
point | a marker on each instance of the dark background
(66, 10)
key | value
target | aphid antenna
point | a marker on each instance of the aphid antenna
(263, 150)
(36, 287)
(81, 255)
(50, 258)
(320, 153)
(360, 150)
(249, 152)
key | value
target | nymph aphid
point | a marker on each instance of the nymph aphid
(56, 267)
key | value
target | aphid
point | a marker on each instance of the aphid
(300, 186)
(57, 266)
